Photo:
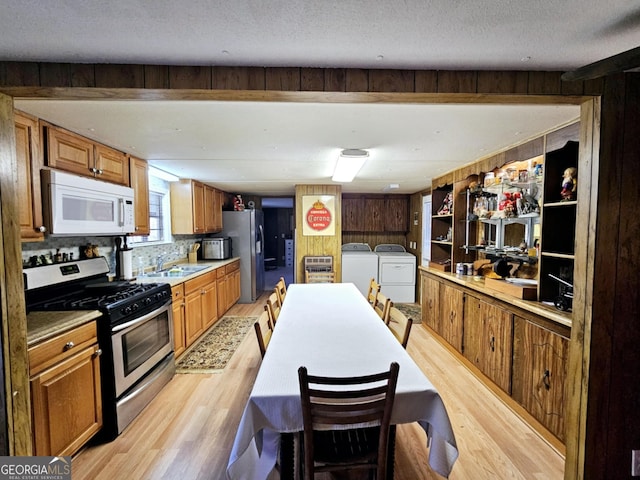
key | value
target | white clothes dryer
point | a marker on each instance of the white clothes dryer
(359, 265)
(396, 272)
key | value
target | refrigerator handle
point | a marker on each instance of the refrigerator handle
(261, 238)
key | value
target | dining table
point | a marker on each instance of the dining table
(331, 329)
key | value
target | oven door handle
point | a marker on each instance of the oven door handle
(142, 319)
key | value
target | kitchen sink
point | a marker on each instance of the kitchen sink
(177, 271)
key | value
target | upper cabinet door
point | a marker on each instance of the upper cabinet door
(69, 152)
(111, 165)
(139, 180)
(29, 165)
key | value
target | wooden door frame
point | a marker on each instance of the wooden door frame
(15, 328)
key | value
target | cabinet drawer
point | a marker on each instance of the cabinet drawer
(56, 349)
(232, 267)
(199, 282)
(220, 272)
(177, 293)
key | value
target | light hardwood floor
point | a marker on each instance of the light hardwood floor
(187, 431)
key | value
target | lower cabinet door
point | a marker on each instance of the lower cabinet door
(67, 404)
(488, 341)
(540, 360)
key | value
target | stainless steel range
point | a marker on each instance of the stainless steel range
(135, 331)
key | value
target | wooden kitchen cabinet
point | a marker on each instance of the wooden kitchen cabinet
(540, 359)
(65, 391)
(29, 161)
(228, 278)
(431, 302)
(74, 153)
(487, 340)
(451, 315)
(201, 309)
(139, 181)
(195, 208)
(353, 214)
(375, 213)
(178, 311)
(396, 214)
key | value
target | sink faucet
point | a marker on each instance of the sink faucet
(160, 262)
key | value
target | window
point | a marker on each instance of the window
(159, 214)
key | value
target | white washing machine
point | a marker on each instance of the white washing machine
(396, 272)
(359, 265)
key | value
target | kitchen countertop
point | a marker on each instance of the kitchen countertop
(477, 284)
(44, 325)
(210, 264)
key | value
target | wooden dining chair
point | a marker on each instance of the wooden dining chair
(374, 289)
(400, 325)
(281, 289)
(319, 277)
(345, 403)
(273, 307)
(263, 330)
(382, 305)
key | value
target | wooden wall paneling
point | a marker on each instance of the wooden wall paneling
(119, 76)
(626, 334)
(426, 81)
(82, 75)
(441, 181)
(391, 81)
(609, 408)
(318, 244)
(594, 87)
(283, 79)
(55, 75)
(335, 79)
(12, 306)
(525, 151)
(156, 76)
(189, 77)
(544, 83)
(571, 88)
(238, 78)
(450, 81)
(502, 82)
(357, 80)
(311, 79)
(19, 74)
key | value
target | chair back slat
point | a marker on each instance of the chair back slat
(400, 325)
(337, 401)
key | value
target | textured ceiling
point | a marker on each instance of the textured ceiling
(268, 148)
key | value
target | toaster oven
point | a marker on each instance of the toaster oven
(216, 248)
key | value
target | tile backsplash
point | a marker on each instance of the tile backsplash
(175, 252)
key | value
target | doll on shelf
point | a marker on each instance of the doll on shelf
(569, 184)
(447, 205)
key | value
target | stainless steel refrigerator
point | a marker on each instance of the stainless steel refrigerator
(246, 230)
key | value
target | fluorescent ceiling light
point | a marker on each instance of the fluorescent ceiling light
(156, 172)
(391, 186)
(349, 164)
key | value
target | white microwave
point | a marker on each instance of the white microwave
(80, 206)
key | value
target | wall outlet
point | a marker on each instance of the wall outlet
(635, 463)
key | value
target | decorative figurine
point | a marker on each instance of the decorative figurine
(569, 184)
(447, 205)
(238, 205)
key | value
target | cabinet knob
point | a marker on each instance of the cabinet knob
(100, 171)
(68, 346)
(41, 229)
(97, 353)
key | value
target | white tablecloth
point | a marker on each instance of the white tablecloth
(332, 330)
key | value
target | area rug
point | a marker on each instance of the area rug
(214, 350)
(412, 310)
